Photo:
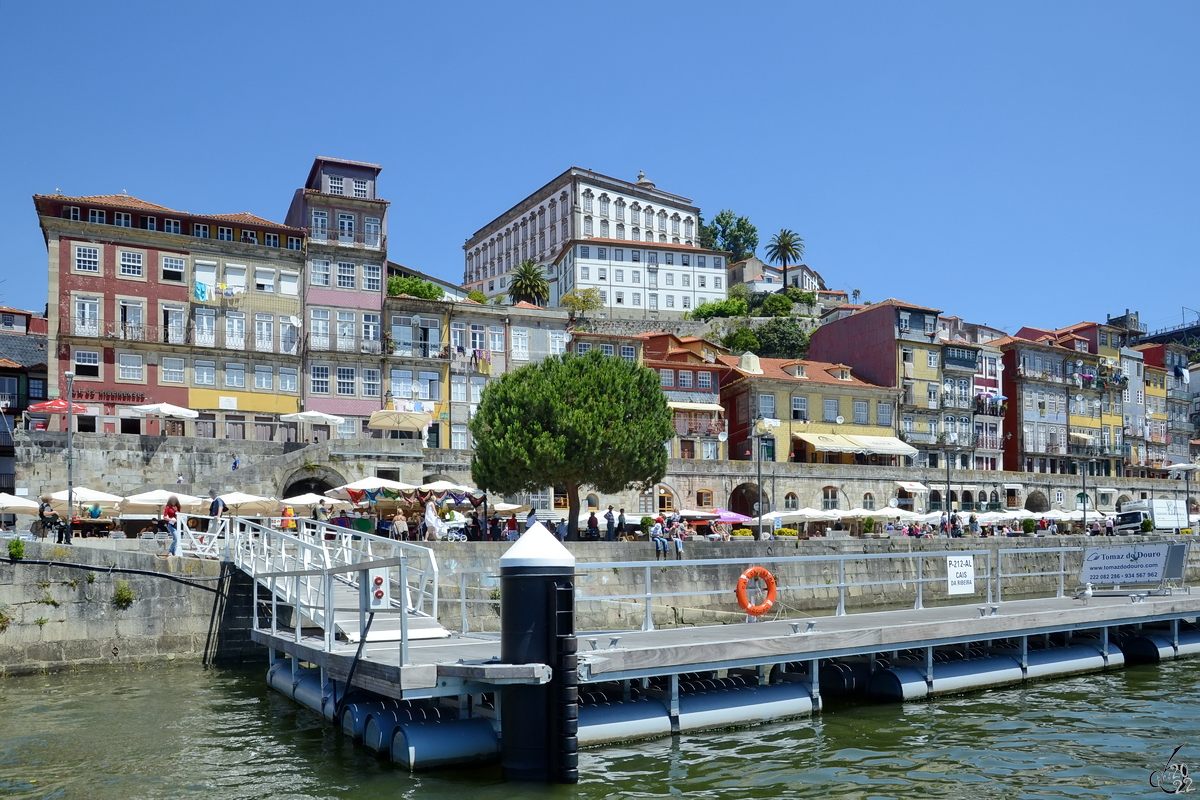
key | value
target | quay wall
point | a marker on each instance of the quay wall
(477, 564)
(64, 615)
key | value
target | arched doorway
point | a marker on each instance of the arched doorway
(1037, 502)
(935, 500)
(743, 498)
(317, 480)
(1121, 501)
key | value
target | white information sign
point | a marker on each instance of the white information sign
(960, 574)
(1125, 565)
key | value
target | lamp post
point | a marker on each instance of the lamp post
(762, 426)
(70, 376)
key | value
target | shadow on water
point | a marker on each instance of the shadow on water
(193, 731)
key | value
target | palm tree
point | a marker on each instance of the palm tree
(856, 293)
(528, 283)
(785, 246)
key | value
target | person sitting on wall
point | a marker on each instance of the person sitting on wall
(342, 520)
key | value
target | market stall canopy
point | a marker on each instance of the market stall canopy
(692, 513)
(730, 516)
(810, 515)
(508, 508)
(307, 502)
(373, 484)
(83, 496)
(164, 410)
(883, 445)
(250, 505)
(715, 407)
(10, 504)
(152, 502)
(1081, 438)
(859, 513)
(399, 420)
(319, 417)
(830, 442)
(58, 406)
(1182, 468)
(912, 486)
(447, 486)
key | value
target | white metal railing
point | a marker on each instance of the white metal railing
(299, 565)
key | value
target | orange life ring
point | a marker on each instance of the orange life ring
(744, 602)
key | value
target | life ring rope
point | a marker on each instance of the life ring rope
(743, 585)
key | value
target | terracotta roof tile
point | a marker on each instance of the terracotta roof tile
(6, 364)
(815, 371)
(523, 304)
(244, 216)
(122, 200)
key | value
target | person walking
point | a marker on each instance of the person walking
(621, 523)
(1108, 526)
(320, 512)
(510, 528)
(531, 519)
(610, 522)
(561, 529)
(170, 513)
(494, 528)
(974, 523)
(179, 478)
(237, 462)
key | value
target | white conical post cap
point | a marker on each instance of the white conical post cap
(537, 547)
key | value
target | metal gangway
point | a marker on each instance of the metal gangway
(351, 584)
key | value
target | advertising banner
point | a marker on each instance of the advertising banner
(960, 574)
(1126, 565)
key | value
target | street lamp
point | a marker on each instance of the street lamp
(762, 426)
(70, 376)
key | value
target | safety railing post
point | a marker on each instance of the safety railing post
(404, 612)
(841, 606)
(648, 620)
(920, 582)
(1062, 572)
(363, 592)
(999, 575)
(989, 576)
(329, 627)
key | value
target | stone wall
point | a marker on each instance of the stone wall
(63, 614)
(634, 327)
(476, 565)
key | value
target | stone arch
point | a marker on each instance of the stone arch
(1121, 501)
(318, 480)
(744, 496)
(441, 476)
(1037, 502)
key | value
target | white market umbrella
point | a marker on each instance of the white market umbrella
(307, 502)
(152, 502)
(415, 421)
(319, 417)
(859, 513)
(373, 484)
(691, 513)
(84, 496)
(165, 410)
(1182, 468)
(447, 486)
(250, 505)
(809, 515)
(11, 504)
(509, 508)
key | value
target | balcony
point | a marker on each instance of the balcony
(8, 400)
(187, 334)
(344, 343)
(685, 426)
(417, 349)
(1038, 375)
(984, 441)
(362, 241)
(1184, 394)
(957, 402)
(1099, 450)
(989, 409)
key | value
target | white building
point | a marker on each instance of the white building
(580, 205)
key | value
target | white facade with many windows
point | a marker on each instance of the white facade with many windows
(575, 206)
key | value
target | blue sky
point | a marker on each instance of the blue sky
(1011, 163)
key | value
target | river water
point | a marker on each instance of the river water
(186, 731)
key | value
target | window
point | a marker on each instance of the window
(287, 379)
(336, 185)
(829, 498)
(670, 301)
(71, 213)
(558, 342)
(345, 380)
(289, 283)
(293, 243)
(172, 268)
(205, 373)
(635, 255)
(131, 264)
(458, 388)
(87, 363)
(831, 410)
(520, 344)
(607, 349)
(224, 234)
(264, 377)
(96, 216)
(130, 367)
(637, 298)
(716, 283)
(583, 347)
(171, 226)
(628, 352)
(87, 259)
(150, 223)
(271, 239)
(709, 450)
(620, 297)
(319, 273)
(318, 380)
(371, 382)
(496, 338)
(766, 404)
(458, 437)
(905, 321)
(687, 301)
(685, 379)
(264, 279)
(931, 359)
(235, 376)
(583, 273)
(666, 377)
(869, 501)
(360, 188)
(583, 251)
(791, 502)
(346, 275)
(123, 219)
(883, 414)
(171, 370)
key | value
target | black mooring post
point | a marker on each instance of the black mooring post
(539, 724)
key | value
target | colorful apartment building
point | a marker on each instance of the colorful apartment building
(690, 377)
(149, 304)
(1172, 359)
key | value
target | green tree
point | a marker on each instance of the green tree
(803, 298)
(477, 296)
(413, 287)
(777, 305)
(528, 283)
(739, 291)
(735, 234)
(705, 237)
(782, 337)
(582, 301)
(785, 246)
(740, 340)
(572, 421)
(733, 307)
